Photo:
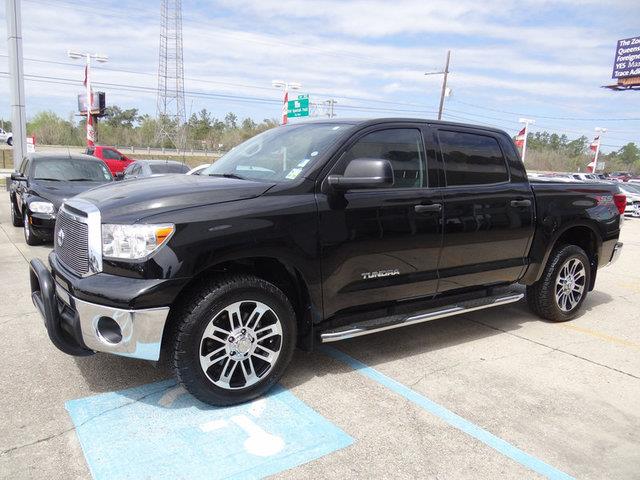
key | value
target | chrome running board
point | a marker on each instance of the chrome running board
(397, 321)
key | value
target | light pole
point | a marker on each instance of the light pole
(16, 81)
(91, 134)
(527, 122)
(600, 131)
(285, 86)
(444, 92)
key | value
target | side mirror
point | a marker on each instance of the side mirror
(18, 177)
(118, 176)
(364, 173)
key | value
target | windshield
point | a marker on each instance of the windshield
(279, 154)
(69, 169)
(168, 168)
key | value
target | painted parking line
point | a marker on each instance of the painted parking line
(159, 431)
(599, 335)
(451, 418)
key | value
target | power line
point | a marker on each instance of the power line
(552, 118)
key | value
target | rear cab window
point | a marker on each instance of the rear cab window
(472, 158)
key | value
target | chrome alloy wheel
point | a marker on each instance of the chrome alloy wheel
(27, 230)
(570, 284)
(241, 345)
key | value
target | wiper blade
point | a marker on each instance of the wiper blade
(82, 180)
(226, 175)
(48, 179)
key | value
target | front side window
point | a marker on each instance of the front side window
(402, 147)
(472, 159)
(110, 154)
(280, 154)
(70, 170)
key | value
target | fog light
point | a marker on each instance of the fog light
(108, 330)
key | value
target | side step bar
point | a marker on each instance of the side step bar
(397, 321)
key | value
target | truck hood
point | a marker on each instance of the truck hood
(132, 200)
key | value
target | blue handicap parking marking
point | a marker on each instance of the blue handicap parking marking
(159, 431)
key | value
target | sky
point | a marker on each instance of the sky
(540, 59)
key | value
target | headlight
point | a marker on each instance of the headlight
(133, 241)
(41, 207)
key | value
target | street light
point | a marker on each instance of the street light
(285, 86)
(99, 57)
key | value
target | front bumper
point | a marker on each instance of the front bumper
(43, 224)
(78, 327)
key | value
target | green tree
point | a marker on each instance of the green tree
(116, 117)
(629, 154)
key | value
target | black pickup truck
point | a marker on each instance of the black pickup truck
(317, 232)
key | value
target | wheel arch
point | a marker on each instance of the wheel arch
(285, 276)
(583, 235)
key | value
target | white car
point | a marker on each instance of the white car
(633, 199)
(6, 137)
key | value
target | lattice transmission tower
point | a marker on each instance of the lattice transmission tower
(170, 101)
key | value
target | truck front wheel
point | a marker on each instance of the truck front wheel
(233, 340)
(559, 293)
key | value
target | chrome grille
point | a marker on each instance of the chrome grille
(73, 250)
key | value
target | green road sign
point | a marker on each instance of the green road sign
(298, 107)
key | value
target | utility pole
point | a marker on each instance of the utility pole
(16, 80)
(527, 122)
(330, 104)
(445, 91)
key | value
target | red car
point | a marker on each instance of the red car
(115, 160)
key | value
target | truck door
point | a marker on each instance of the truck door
(381, 245)
(488, 209)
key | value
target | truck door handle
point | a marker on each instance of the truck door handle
(520, 203)
(434, 207)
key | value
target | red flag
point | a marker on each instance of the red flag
(595, 144)
(520, 138)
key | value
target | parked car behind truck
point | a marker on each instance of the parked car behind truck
(43, 183)
(115, 160)
(317, 232)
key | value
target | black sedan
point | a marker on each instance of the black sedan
(43, 182)
(147, 168)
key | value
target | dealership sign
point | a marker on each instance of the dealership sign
(627, 60)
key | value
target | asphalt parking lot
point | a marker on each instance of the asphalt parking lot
(493, 394)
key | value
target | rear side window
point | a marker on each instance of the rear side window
(472, 159)
(402, 147)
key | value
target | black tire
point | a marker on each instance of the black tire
(29, 237)
(190, 321)
(541, 296)
(15, 217)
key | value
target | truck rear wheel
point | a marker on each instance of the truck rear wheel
(564, 284)
(233, 340)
